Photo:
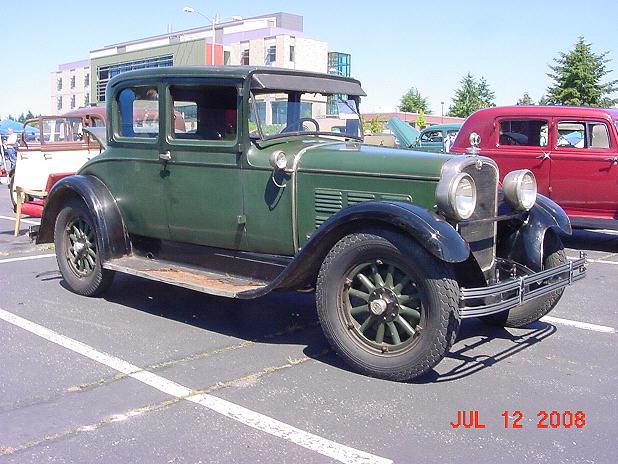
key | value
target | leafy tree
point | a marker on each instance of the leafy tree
(421, 122)
(413, 102)
(375, 125)
(525, 100)
(471, 96)
(29, 115)
(21, 118)
(578, 76)
(544, 100)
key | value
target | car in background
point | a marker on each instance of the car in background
(437, 138)
(572, 151)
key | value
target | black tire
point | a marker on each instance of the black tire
(532, 311)
(12, 193)
(436, 296)
(78, 251)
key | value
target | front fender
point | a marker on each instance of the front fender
(525, 244)
(114, 240)
(433, 233)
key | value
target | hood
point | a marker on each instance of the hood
(342, 157)
(405, 133)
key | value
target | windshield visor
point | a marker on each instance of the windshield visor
(281, 114)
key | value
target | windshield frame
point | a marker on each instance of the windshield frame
(254, 110)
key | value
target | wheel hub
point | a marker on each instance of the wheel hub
(383, 303)
(79, 248)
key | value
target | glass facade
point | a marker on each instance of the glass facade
(340, 65)
(105, 73)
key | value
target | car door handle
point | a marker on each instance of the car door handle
(544, 156)
(613, 159)
(166, 156)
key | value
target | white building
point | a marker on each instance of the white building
(70, 87)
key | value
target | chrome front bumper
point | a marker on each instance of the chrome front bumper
(483, 301)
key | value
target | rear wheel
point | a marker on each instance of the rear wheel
(78, 251)
(527, 313)
(386, 305)
(12, 192)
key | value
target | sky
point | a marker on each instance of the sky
(394, 44)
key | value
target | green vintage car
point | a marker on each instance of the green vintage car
(266, 186)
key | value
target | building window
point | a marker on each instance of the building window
(87, 80)
(226, 57)
(271, 55)
(72, 101)
(86, 99)
(339, 64)
(105, 73)
(59, 84)
(59, 102)
(244, 58)
(292, 53)
(72, 82)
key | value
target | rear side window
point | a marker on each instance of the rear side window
(582, 134)
(432, 136)
(203, 112)
(526, 132)
(139, 112)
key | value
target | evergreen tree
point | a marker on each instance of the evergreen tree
(413, 102)
(578, 76)
(525, 100)
(471, 96)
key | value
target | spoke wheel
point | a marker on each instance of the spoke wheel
(81, 248)
(78, 250)
(382, 306)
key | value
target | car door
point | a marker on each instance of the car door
(584, 177)
(203, 171)
(130, 166)
(522, 143)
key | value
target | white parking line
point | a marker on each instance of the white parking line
(26, 258)
(27, 221)
(579, 325)
(231, 410)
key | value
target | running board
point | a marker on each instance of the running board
(211, 282)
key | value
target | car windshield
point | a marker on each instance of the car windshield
(280, 114)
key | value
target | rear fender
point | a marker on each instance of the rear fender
(113, 237)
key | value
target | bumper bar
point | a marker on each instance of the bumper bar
(483, 301)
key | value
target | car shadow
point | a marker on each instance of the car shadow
(290, 318)
(592, 240)
(474, 350)
(278, 318)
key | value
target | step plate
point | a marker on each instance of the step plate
(213, 283)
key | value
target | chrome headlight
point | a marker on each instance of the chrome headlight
(520, 189)
(278, 160)
(457, 196)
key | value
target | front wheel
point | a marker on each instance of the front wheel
(78, 252)
(387, 306)
(532, 311)
(12, 192)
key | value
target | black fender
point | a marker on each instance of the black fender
(113, 237)
(432, 232)
(524, 244)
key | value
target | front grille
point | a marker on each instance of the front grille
(482, 235)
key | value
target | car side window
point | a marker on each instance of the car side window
(432, 136)
(524, 132)
(581, 134)
(203, 112)
(138, 109)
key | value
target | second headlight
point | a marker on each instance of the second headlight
(520, 189)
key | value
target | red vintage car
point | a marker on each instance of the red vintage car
(572, 151)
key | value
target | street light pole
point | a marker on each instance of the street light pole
(213, 22)
(442, 112)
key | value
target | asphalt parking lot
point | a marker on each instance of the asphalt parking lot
(153, 373)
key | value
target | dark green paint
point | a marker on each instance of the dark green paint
(223, 194)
